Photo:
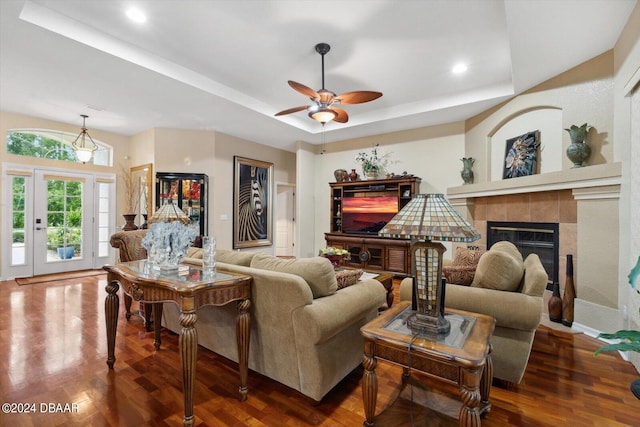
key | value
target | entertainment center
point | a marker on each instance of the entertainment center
(359, 209)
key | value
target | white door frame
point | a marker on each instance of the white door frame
(285, 190)
(95, 254)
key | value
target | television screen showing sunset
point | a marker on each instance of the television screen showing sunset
(367, 214)
(382, 204)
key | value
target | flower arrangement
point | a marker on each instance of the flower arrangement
(336, 255)
(373, 164)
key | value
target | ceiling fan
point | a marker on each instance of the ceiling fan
(324, 107)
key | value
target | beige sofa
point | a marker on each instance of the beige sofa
(305, 334)
(510, 289)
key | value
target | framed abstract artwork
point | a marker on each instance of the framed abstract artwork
(252, 203)
(521, 155)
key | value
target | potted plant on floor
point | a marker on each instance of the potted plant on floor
(63, 241)
(629, 339)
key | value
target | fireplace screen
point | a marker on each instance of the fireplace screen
(539, 238)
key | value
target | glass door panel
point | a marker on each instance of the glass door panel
(63, 223)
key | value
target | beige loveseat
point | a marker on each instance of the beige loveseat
(305, 334)
(510, 290)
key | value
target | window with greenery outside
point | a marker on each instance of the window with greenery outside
(53, 145)
(64, 217)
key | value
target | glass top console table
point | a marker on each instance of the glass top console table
(190, 288)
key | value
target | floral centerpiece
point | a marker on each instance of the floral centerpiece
(335, 255)
(373, 165)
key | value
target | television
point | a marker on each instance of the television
(367, 215)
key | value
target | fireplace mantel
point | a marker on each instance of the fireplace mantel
(603, 175)
(585, 203)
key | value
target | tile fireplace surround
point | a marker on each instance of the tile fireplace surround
(584, 202)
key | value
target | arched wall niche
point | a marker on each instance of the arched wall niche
(545, 119)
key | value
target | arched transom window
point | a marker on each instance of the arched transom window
(52, 144)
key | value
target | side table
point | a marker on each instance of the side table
(190, 290)
(462, 358)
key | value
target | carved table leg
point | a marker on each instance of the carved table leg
(369, 385)
(485, 383)
(188, 357)
(127, 306)
(147, 310)
(157, 324)
(243, 332)
(111, 304)
(469, 391)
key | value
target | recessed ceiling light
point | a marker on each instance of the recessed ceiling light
(136, 15)
(459, 68)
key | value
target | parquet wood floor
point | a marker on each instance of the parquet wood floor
(53, 350)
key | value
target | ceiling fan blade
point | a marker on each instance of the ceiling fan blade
(357, 97)
(342, 116)
(305, 90)
(292, 110)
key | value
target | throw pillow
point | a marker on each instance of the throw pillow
(233, 257)
(317, 271)
(463, 267)
(194, 252)
(466, 257)
(459, 275)
(498, 270)
(347, 277)
(509, 248)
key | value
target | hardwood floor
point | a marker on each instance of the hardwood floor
(53, 350)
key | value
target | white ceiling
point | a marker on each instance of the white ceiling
(224, 65)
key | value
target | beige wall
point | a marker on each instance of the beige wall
(221, 181)
(595, 92)
(583, 94)
(211, 153)
(627, 149)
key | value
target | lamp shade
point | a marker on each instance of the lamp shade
(429, 217)
(83, 154)
(169, 212)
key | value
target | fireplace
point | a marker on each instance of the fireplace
(540, 238)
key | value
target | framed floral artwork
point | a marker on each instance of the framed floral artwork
(252, 205)
(521, 155)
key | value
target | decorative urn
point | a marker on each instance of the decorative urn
(578, 151)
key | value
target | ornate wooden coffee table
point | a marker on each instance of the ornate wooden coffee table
(462, 358)
(191, 290)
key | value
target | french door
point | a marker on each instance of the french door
(56, 221)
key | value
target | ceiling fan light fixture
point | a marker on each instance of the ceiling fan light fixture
(323, 115)
(324, 102)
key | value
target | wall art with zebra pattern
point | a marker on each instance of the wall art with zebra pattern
(252, 203)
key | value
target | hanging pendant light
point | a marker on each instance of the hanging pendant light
(84, 152)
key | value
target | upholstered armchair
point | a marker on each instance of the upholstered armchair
(510, 289)
(129, 245)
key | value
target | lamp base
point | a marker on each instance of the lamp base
(432, 326)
